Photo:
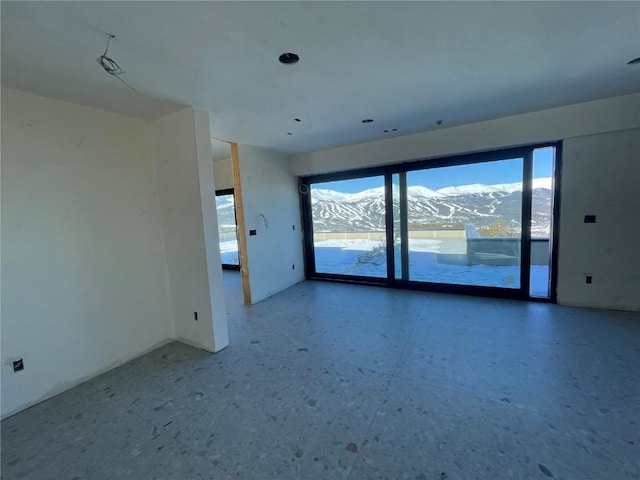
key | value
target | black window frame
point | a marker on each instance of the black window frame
(525, 152)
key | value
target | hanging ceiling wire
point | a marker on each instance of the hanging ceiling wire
(110, 65)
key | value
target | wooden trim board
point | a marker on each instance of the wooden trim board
(242, 230)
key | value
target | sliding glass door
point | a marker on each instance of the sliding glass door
(349, 231)
(478, 223)
(465, 224)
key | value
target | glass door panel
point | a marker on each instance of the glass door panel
(227, 230)
(465, 224)
(397, 225)
(541, 222)
(349, 231)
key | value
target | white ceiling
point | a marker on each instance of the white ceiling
(404, 64)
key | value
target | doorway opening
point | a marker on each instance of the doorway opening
(227, 229)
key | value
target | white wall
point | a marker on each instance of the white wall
(213, 260)
(187, 200)
(601, 171)
(269, 188)
(84, 282)
(601, 176)
(223, 174)
(607, 115)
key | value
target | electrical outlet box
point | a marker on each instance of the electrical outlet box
(253, 232)
(18, 365)
(588, 279)
(195, 316)
(589, 219)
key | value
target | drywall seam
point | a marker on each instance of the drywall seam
(156, 182)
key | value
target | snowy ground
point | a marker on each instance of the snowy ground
(229, 252)
(425, 265)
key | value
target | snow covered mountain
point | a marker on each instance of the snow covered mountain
(544, 182)
(468, 189)
(226, 212)
(449, 207)
(420, 191)
(326, 195)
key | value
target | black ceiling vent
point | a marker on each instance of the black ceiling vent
(289, 58)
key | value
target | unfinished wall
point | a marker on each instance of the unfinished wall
(607, 115)
(601, 176)
(601, 173)
(187, 199)
(275, 252)
(223, 174)
(84, 282)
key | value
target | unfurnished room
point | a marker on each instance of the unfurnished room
(320, 240)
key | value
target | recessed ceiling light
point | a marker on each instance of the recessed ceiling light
(367, 120)
(394, 129)
(289, 133)
(297, 120)
(288, 58)
(438, 122)
(635, 61)
(386, 131)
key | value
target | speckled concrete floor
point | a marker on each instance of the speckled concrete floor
(330, 381)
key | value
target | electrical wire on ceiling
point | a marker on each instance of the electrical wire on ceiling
(110, 65)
